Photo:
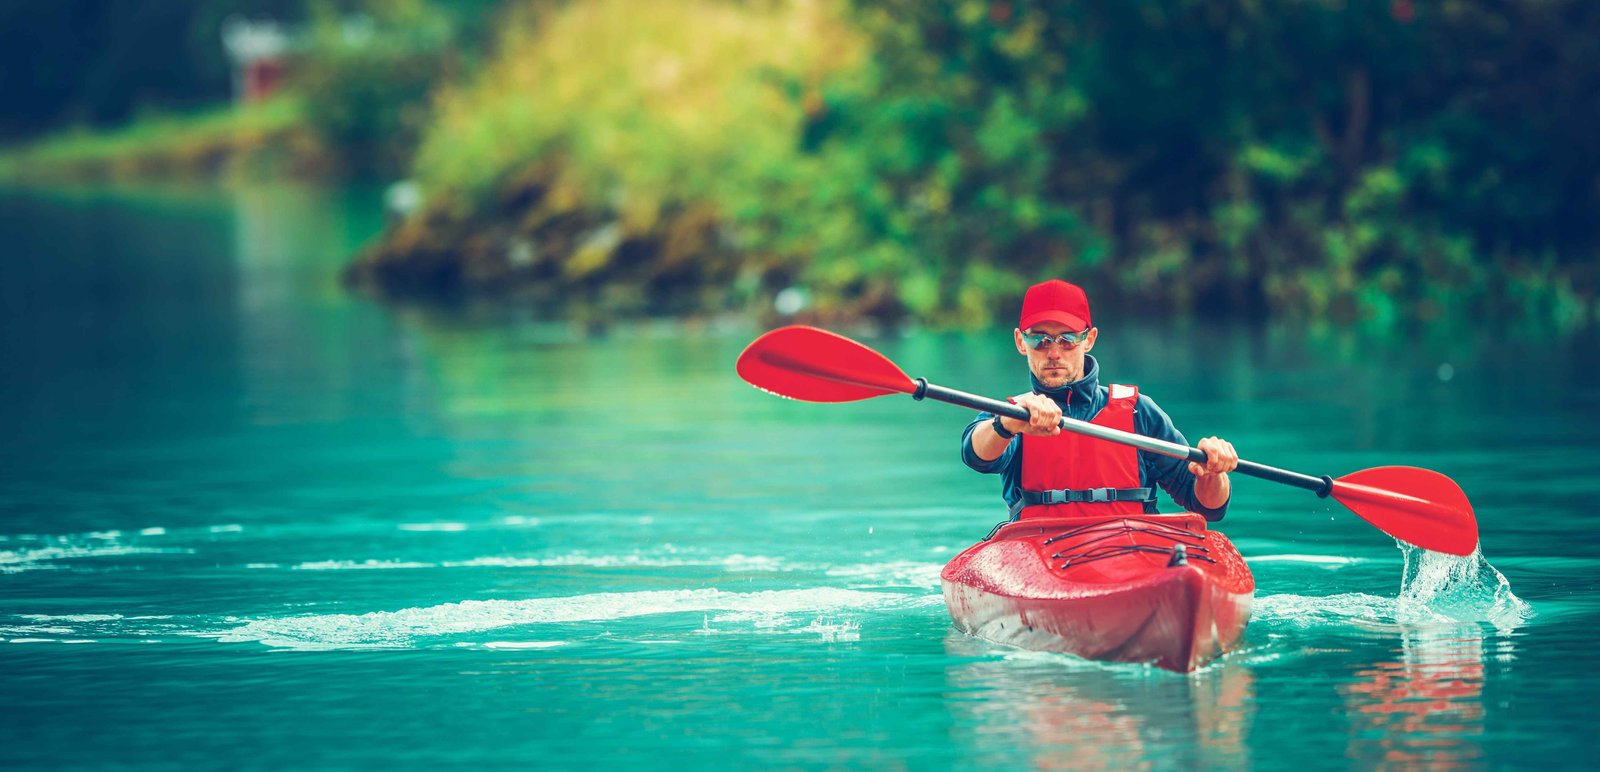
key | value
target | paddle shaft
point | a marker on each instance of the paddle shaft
(1320, 485)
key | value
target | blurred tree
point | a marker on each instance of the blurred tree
(97, 62)
(1343, 157)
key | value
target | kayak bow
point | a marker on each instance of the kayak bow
(1157, 588)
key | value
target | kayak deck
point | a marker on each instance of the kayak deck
(1153, 588)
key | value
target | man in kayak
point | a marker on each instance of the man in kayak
(1047, 472)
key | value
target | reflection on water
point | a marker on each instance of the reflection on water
(1424, 709)
(1413, 694)
(301, 343)
(1054, 711)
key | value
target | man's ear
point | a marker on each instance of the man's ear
(1016, 336)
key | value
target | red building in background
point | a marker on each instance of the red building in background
(257, 50)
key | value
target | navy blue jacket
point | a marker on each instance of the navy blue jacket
(1088, 397)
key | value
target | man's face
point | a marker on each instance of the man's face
(1053, 363)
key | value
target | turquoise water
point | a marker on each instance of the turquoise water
(249, 519)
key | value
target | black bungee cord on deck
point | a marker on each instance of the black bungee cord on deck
(1185, 543)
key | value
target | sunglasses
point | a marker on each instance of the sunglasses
(1066, 340)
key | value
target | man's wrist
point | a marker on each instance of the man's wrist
(1000, 428)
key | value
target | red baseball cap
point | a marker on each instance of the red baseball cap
(1055, 301)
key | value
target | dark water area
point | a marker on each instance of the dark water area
(246, 517)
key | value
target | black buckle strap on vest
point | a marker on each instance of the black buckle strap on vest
(1085, 496)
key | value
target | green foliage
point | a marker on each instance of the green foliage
(366, 79)
(1364, 159)
(642, 120)
(1359, 159)
(139, 89)
(170, 144)
(1348, 160)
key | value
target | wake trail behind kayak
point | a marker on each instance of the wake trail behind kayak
(824, 611)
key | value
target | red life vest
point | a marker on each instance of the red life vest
(1093, 477)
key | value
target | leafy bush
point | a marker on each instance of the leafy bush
(366, 79)
(1364, 159)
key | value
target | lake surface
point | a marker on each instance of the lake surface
(248, 519)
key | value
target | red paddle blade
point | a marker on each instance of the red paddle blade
(1413, 505)
(815, 365)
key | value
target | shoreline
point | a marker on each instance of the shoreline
(220, 143)
(564, 257)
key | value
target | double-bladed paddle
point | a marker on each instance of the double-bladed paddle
(1413, 505)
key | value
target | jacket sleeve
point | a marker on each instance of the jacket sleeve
(1172, 474)
(970, 458)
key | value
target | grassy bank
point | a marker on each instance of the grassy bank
(620, 155)
(270, 138)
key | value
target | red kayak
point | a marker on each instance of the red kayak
(1151, 588)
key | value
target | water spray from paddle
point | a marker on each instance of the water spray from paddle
(1436, 587)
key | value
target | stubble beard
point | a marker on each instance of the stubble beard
(1054, 381)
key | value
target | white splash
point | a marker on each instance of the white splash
(27, 559)
(897, 573)
(1440, 587)
(832, 631)
(1307, 611)
(1326, 561)
(389, 629)
(1435, 589)
(633, 560)
(74, 617)
(351, 565)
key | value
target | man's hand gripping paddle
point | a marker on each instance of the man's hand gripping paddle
(1413, 505)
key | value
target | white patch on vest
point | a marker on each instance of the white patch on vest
(1122, 391)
